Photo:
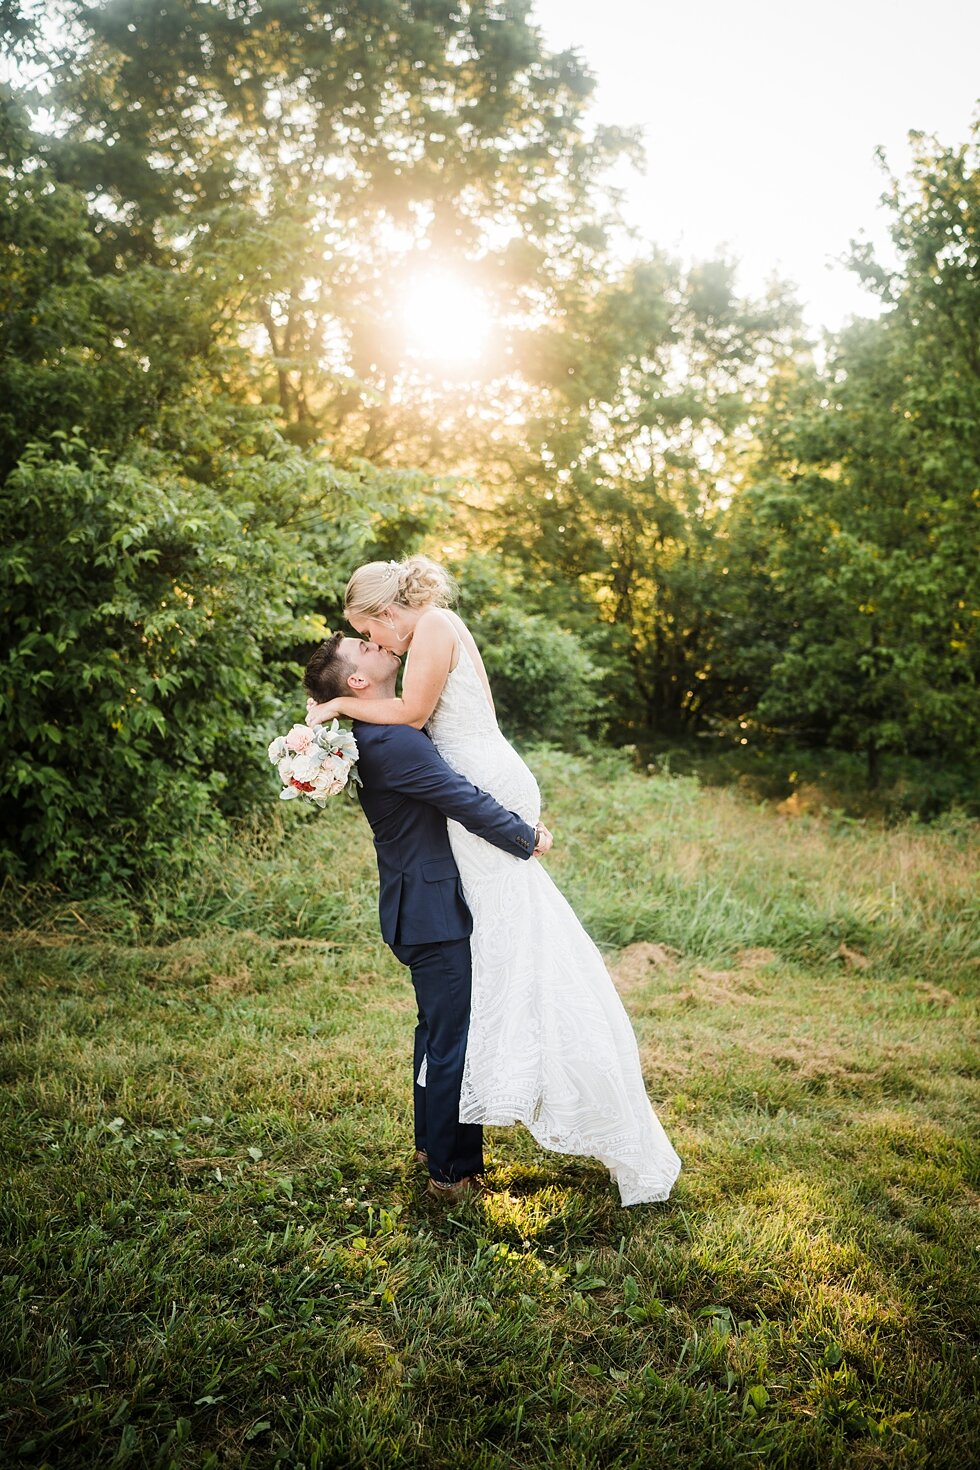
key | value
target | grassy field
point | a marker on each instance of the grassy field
(218, 1250)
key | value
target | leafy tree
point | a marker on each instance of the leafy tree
(100, 353)
(621, 474)
(151, 634)
(867, 495)
(317, 156)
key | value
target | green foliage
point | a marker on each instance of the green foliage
(148, 625)
(828, 780)
(612, 517)
(858, 539)
(698, 527)
(822, 582)
(545, 685)
(101, 353)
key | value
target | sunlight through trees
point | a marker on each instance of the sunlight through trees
(345, 279)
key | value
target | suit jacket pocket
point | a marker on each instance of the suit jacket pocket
(440, 870)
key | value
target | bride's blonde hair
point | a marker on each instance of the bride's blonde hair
(415, 582)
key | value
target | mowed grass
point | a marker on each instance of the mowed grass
(218, 1250)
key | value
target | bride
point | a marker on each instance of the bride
(550, 1045)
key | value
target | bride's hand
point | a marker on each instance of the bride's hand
(543, 840)
(319, 714)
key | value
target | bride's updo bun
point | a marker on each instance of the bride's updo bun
(424, 583)
(415, 582)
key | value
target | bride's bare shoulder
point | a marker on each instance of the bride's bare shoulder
(453, 620)
(433, 624)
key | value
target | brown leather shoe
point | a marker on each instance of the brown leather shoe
(421, 1157)
(469, 1187)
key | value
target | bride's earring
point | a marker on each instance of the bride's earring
(402, 637)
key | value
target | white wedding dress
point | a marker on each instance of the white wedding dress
(550, 1045)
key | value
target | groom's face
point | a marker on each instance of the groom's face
(375, 664)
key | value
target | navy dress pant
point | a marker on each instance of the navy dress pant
(442, 977)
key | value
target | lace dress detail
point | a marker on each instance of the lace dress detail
(550, 1045)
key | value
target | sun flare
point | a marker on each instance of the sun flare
(447, 321)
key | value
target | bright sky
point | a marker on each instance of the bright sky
(761, 119)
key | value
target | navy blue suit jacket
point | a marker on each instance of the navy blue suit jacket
(408, 793)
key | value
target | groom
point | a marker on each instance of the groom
(408, 793)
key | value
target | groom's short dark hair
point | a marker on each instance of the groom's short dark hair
(328, 671)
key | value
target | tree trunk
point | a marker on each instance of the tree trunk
(874, 769)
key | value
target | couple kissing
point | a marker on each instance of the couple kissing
(518, 1019)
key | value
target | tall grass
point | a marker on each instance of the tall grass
(219, 1250)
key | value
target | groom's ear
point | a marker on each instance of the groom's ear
(356, 682)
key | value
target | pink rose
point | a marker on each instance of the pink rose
(298, 738)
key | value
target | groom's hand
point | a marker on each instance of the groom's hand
(542, 840)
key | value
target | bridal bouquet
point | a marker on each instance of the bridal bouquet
(315, 763)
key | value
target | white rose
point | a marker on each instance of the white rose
(327, 784)
(306, 767)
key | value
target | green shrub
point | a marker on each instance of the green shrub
(142, 617)
(545, 685)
